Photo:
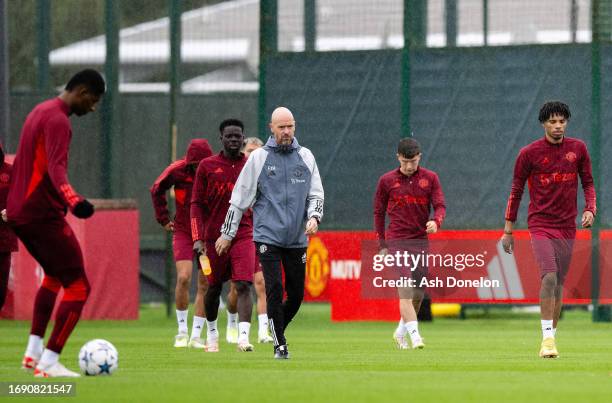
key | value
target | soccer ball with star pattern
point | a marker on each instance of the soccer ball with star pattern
(98, 357)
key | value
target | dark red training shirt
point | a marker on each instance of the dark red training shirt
(8, 239)
(39, 187)
(212, 190)
(408, 201)
(177, 175)
(552, 171)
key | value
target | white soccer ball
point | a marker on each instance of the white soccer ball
(98, 357)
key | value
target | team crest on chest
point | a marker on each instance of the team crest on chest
(423, 183)
(570, 156)
(4, 178)
(545, 161)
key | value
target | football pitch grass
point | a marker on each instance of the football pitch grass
(487, 358)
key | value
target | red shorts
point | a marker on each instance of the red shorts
(552, 248)
(55, 247)
(182, 246)
(238, 264)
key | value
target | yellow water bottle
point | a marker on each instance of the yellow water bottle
(205, 264)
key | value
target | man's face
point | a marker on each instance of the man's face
(554, 127)
(408, 166)
(231, 139)
(249, 148)
(85, 102)
(283, 131)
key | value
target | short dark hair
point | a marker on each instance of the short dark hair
(408, 148)
(91, 79)
(230, 122)
(552, 108)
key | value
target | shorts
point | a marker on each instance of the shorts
(182, 246)
(55, 247)
(418, 248)
(238, 264)
(552, 248)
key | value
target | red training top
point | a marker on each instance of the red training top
(8, 240)
(180, 176)
(39, 188)
(551, 171)
(408, 201)
(212, 190)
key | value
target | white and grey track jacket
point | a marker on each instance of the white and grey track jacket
(285, 190)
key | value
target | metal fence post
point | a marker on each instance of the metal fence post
(43, 35)
(268, 45)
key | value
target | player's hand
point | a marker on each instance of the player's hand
(312, 226)
(383, 251)
(169, 227)
(508, 243)
(587, 219)
(83, 209)
(431, 227)
(222, 245)
(199, 248)
(4, 216)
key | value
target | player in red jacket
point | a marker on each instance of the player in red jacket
(407, 195)
(214, 182)
(180, 175)
(551, 166)
(38, 199)
(8, 240)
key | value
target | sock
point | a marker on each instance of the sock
(181, 319)
(262, 320)
(212, 332)
(243, 331)
(66, 319)
(554, 332)
(43, 308)
(401, 328)
(48, 359)
(198, 324)
(547, 329)
(232, 319)
(35, 347)
(412, 328)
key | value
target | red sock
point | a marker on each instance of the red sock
(43, 305)
(68, 313)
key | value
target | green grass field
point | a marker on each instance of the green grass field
(490, 358)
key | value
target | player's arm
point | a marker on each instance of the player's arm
(242, 198)
(439, 206)
(315, 200)
(162, 184)
(199, 207)
(588, 187)
(57, 142)
(381, 200)
(522, 170)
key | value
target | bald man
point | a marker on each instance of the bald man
(282, 183)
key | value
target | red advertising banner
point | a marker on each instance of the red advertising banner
(110, 244)
(336, 261)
